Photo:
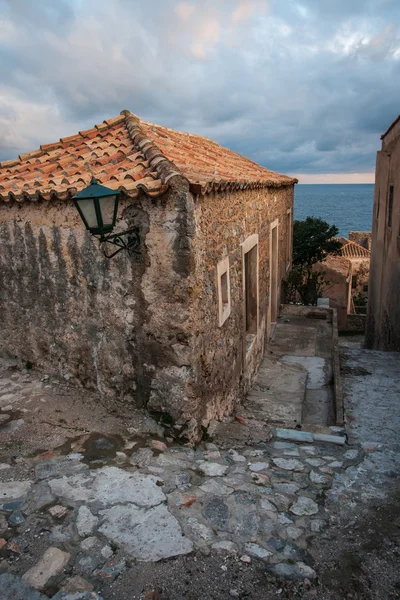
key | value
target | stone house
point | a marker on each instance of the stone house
(180, 328)
(337, 278)
(347, 276)
(383, 319)
(359, 258)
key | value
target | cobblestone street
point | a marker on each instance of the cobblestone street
(90, 514)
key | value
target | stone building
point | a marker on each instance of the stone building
(364, 238)
(180, 328)
(347, 276)
(383, 319)
(359, 258)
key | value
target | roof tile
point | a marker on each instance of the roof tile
(132, 156)
(71, 138)
(351, 249)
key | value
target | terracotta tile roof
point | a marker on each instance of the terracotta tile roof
(351, 249)
(209, 166)
(132, 156)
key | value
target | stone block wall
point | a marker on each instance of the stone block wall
(223, 364)
(356, 322)
(143, 331)
(364, 238)
(109, 325)
(383, 319)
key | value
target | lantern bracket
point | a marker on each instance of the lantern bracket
(125, 240)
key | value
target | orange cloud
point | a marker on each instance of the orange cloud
(184, 10)
(247, 8)
(207, 37)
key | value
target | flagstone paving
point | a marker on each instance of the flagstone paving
(78, 515)
(258, 502)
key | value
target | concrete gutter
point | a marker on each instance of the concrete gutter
(337, 379)
(314, 312)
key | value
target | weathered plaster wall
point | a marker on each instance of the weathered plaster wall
(338, 286)
(383, 320)
(222, 369)
(119, 326)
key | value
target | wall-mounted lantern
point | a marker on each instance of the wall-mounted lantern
(98, 206)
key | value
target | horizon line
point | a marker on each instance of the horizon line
(338, 178)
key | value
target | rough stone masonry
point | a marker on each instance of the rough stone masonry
(143, 329)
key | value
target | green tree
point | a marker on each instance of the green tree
(313, 240)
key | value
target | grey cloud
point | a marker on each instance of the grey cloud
(306, 86)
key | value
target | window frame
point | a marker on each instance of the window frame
(378, 204)
(224, 308)
(246, 246)
(289, 242)
(390, 201)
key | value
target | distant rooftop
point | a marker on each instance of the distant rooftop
(351, 249)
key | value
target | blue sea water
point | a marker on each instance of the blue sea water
(348, 206)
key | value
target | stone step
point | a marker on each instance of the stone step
(277, 395)
(335, 436)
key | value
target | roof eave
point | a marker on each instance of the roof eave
(203, 188)
(390, 127)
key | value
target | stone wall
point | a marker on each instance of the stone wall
(223, 364)
(113, 325)
(143, 331)
(356, 322)
(383, 319)
(364, 238)
(337, 277)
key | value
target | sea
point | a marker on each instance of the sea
(348, 206)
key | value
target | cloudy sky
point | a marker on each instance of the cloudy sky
(303, 87)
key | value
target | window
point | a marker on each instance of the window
(250, 269)
(224, 291)
(390, 206)
(378, 203)
(354, 282)
(289, 238)
(250, 284)
(274, 272)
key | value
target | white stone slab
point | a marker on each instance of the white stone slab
(211, 469)
(304, 506)
(212, 486)
(288, 464)
(256, 550)
(147, 535)
(109, 485)
(86, 521)
(258, 466)
(293, 434)
(332, 439)
(12, 490)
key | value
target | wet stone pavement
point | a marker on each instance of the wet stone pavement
(95, 506)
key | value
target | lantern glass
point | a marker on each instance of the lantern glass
(97, 206)
(88, 212)
(108, 209)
